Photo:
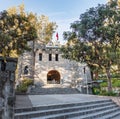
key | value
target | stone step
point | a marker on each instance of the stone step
(81, 106)
(78, 115)
(65, 110)
(117, 116)
(114, 115)
(53, 90)
(107, 114)
(62, 111)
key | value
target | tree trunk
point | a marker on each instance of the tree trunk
(96, 75)
(109, 79)
(118, 68)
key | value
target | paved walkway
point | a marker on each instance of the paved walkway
(22, 101)
(61, 99)
(38, 100)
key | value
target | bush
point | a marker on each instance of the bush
(103, 84)
(96, 91)
(106, 93)
(22, 88)
(27, 82)
(115, 83)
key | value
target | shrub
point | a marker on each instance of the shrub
(27, 81)
(103, 84)
(106, 93)
(22, 88)
(96, 91)
(115, 83)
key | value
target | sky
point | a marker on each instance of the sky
(63, 12)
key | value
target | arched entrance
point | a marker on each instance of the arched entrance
(53, 77)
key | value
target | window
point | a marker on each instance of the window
(26, 70)
(50, 57)
(40, 57)
(56, 57)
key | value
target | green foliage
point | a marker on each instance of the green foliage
(113, 75)
(15, 31)
(106, 93)
(17, 27)
(22, 88)
(95, 38)
(104, 84)
(115, 80)
(98, 91)
(115, 83)
(99, 39)
(27, 81)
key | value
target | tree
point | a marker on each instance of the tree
(15, 31)
(45, 30)
(43, 26)
(95, 38)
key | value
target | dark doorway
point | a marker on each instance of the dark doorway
(53, 77)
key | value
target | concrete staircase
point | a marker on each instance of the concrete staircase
(99, 109)
(52, 89)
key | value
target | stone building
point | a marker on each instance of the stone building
(51, 68)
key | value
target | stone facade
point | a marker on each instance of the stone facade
(51, 68)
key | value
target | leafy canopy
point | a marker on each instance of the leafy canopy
(15, 31)
(95, 38)
(17, 27)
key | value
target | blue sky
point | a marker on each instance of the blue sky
(63, 12)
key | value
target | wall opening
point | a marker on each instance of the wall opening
(53, 77)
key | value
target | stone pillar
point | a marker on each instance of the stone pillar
(7, 93)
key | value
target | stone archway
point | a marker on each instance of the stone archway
(53, 77)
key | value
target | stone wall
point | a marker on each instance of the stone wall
(7, 82)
